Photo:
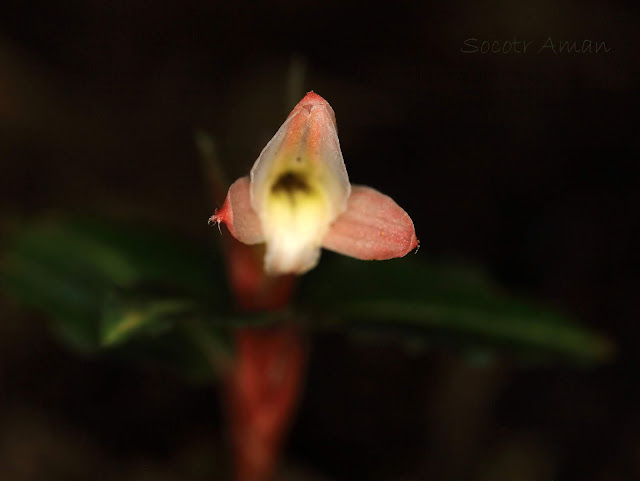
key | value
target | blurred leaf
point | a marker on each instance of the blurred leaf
(157, 257)
(123, 318)
(174, 350)
(74, 304)
(444, 304)
(71, 271)
(106, 285)
(127, 317)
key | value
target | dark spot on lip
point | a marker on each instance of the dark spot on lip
(290, 182)
(299, 159)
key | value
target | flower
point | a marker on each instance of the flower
(298, 199)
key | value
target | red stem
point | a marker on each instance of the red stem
(264, 380)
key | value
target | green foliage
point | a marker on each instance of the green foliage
(136, 292)
(424, 303)
(123, 318)
(105, 285)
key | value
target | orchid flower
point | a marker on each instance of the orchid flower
(298, 199)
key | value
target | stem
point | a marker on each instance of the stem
(263, 379)
(262, 389)
(212, 166)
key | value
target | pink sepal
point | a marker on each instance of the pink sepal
(241, 220)
(373, 227)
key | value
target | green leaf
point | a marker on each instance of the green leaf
(57, 247)
(443, 304)
(130, 319)
(73, 304)
(158, 257)
(123, 318)
(197, 358)
(67, 269)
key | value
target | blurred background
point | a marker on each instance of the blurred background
(526, 164)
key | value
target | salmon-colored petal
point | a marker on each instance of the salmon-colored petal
(238, 215)
(373, 227)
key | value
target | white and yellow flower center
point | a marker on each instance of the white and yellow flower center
(299, 185)
(297, 216)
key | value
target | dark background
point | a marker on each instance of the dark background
(526, 164)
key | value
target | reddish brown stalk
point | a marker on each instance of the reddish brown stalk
(264, 379)
(263, 387)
